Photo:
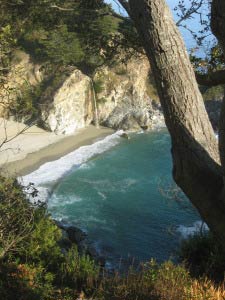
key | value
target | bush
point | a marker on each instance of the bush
(58, 46)
(98, 86)
(213, 93)
(158, 282)
(17, 217)
(79, 272)
(26, 106)
(203, 255)
(42, 244)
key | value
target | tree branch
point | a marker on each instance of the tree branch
(111, 13)
(125, 5)
(62, 8)
(192, 10)
(211, 79)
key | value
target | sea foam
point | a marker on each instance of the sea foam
(49, 173)
(195, 228)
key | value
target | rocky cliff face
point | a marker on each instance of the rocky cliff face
(120, 97)
(71, 107)
(127, 100)
(23, 72)
(123, 100)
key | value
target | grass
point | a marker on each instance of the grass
(158, 282)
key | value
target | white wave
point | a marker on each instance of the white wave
(50, 172)
(158, 121)
(61, 201)
(87, 166)
(102, 195)
(141, 132)
(105, 185)
(187, 231)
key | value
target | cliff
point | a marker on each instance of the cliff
(71, 105)
(23, 72)
(127, 99)
(119, 97)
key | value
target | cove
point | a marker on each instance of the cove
(119, 197)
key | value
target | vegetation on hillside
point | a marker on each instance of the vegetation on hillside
(81, 33)
(59, 35)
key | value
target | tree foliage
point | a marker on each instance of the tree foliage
(64, 32)
(17, 217)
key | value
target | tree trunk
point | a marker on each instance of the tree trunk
(218, 27)
(196, 163)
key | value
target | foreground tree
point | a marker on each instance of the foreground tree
(196, 159)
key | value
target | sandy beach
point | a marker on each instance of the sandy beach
(26, 150)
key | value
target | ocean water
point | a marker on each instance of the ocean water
(119, 192)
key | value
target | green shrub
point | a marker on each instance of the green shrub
(58, 46)
(158, 282)
(79, 271)
(213, 93)
(17, 217)
(26, 106)
(98, 86)
(42, 244)
(203, 255)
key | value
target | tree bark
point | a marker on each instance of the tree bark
(196, 163)
(218, 27)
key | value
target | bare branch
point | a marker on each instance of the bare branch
(7, 140)
(194, 8)
(111, 13)
(62, 8)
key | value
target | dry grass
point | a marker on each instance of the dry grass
(154, 282)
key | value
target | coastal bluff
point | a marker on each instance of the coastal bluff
(119, 97)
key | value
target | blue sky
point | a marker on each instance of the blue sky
(193, 23)
(171, 3)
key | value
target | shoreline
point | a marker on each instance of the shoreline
(55, 150)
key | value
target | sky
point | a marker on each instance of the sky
(194, 24)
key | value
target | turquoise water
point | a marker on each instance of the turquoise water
(116, 198)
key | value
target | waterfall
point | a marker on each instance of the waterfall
(95, 105)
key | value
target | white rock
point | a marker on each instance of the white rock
(72, 105)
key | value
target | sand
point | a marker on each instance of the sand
(25, 153)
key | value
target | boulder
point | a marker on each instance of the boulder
(71, 106)
(76, 235)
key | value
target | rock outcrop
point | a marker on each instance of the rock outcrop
(120, 97)
(127, 97)
(71, 107)
(23, 72)
(72, 235)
